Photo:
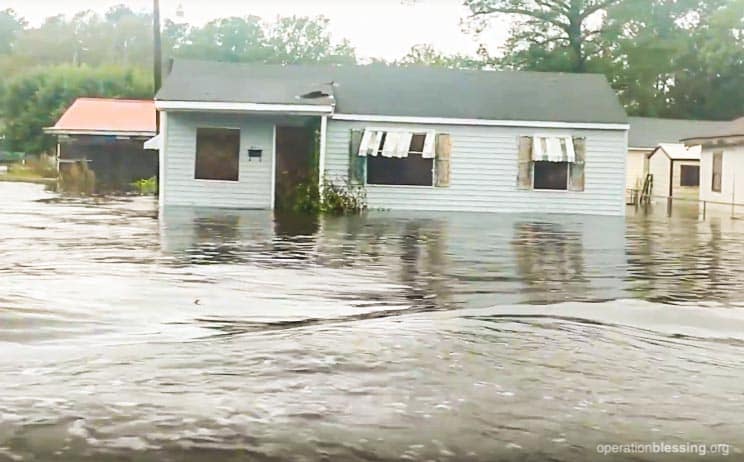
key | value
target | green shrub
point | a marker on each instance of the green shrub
(146, 186)
(343, 198)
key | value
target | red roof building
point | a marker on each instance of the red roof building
(108, 136)
(105, 116)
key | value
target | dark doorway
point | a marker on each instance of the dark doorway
(294, 164)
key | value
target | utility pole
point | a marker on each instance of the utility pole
(157, 55)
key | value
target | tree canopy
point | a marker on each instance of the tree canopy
(109, 55)
(665, 58)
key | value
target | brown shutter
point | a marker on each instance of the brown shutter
(576, 180)
(443, 156)
(524, 180)
(356, 162)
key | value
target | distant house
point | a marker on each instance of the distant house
(646, 134)
(676, 171)
(108, 135)
(721, 162)
(242, 135)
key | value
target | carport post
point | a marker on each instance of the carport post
(322, 154)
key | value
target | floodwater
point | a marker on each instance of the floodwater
(239, 335)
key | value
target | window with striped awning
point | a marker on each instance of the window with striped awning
(553, 149)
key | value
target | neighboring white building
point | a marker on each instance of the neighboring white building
(243, 135)
(721, 162)
(676, 171)
(647, 133)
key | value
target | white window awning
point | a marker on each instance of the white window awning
(553, 149)
(155, 143)
(394, 143)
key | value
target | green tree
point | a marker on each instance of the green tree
(10, 26)
(297, 39)
(427, 55)
(226, 39)
(548, 34)
(37, 99)
(681, 58)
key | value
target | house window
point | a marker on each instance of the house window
(551, 163)
(398, 158)
(550, 175)
(717, 171)
(689, 175)
(217, 152)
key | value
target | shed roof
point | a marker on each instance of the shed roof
(647, 132)
(402, 91)
(105, 115)
(676, 151)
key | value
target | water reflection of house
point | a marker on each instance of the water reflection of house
(233, 135)
(108, 136)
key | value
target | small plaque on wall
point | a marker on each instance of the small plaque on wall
(255, 153)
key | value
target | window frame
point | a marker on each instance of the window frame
(532, 176)
(683, 167)
(196, 151)
(713, 173)
(413, 131)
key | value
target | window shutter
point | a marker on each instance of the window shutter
(443, 156)
(576, 178)
(525, 163)
(356, 162)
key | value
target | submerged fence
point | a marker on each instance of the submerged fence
(633, 197)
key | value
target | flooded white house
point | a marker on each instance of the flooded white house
(241, 135)
(722, 162)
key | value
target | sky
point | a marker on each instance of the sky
(376, 28)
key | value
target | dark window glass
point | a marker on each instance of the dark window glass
(217, 152)
(689, 175)
(413, 170)
(550, 175)
(717, 171)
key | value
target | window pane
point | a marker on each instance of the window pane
(717, 171)
(217, 151)
(417, 142)
(550, 175)
(412, 170)
(690, 175)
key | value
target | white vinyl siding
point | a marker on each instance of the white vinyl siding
(254, 186)
(732, 175)
(484, 163)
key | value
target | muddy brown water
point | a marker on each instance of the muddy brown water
(244, 335)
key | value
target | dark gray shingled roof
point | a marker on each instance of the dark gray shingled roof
(646, 132)
(735, 128)
(406, 91)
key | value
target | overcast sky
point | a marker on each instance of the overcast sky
(376, 28)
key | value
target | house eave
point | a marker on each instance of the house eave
(216, 106)
(65, 131)
(480, 122)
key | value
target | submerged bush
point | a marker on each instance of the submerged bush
(77, 178)
(343, 198)
(146, 186)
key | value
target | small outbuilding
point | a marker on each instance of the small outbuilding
(721, 162)
(108, 135)
(676, 171)
(647, 133)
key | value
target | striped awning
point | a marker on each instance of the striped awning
(553, 149)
